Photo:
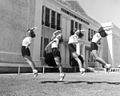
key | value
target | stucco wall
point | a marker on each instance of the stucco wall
(116, 49)
(15, 17)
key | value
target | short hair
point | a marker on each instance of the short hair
(102, 32)
(80, 33)
(31, 33)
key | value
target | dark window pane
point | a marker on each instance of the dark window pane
(76, 25)
(41, 52)
(47, 17)
(89, 39)
(53, 19)
(46, 41)
(58, 21)
(72, 27)
(79, 26)
(43, 15)
(92, 34)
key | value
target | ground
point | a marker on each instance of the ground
(91, 84)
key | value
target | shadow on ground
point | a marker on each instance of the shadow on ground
(44, 82)
(87, 82)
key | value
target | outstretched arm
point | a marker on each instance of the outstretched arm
(57, 31)
(33, 28)
(75, 42)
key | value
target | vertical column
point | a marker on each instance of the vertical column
(37, 40)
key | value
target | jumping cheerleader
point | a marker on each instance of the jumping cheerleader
(26, 51)
(55, 42)
(102, 33)
(72, 43)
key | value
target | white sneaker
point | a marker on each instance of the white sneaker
(107, 66)
(82, 71)
(62, 76)
(35, 72)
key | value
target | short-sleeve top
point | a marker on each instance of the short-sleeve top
(101, 33)
(73, 38)
(55, 44)
(96, 37)
(27, 41)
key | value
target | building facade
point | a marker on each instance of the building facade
(67, 16)
(111, 46)
(48, 16)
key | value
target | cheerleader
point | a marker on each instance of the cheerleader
(56, 39)
(102, 33)
(72, 43)
(26, 51)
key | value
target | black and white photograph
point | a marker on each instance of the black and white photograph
(59, 48)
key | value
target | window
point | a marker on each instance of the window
(90, 34)
(76, 25)
(47, 17)
(72, 27)
(44, 42)
(43, 14)
(89, 38)
(94, 32)
(79, 26)
(41, 52)
(53, 19)
(58, 21)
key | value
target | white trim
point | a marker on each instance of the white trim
(14, 53)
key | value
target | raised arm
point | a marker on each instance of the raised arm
(49, 44)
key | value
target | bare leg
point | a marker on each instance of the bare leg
(81, 69)
(58, 62)
(30, 62)
(79, 63)
(75, 56)
(32, 65)
(98, 59)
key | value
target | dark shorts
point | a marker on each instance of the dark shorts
(93, 46)
(56, 52)
(49, 59)
(72, 48)
(75, 63)
(25, 51)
